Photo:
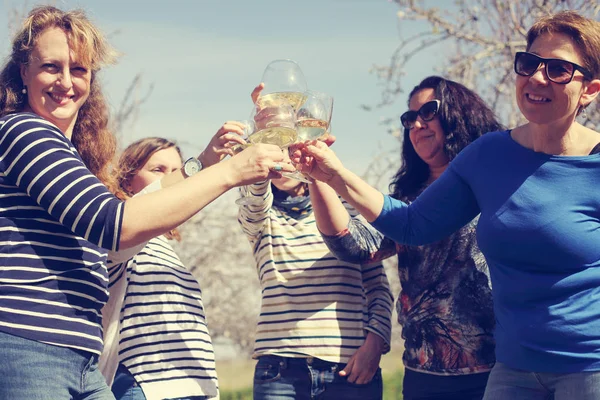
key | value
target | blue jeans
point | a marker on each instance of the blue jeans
(422, 386)
(126, 388)
(286, 378)
(33, 370)
(514, 384)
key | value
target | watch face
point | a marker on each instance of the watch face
(191, 166)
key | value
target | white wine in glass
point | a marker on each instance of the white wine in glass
(314, 116)
(294, 99)
(270, 125)
(311, 129)
(284, 83)
(279, 136)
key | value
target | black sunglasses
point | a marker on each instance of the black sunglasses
(557, 70)
(427, 112)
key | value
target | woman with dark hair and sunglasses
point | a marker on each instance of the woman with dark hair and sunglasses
(539, 225)
(445, 306)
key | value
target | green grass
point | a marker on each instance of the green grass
(244, 394)
(392, 385)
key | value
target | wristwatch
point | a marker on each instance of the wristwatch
(191, 166)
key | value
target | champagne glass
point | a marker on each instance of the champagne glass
(313, 122)
(275, 124)
(284, 83)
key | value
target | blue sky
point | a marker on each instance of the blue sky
(204, 57)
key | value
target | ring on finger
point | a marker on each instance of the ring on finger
(277, 167)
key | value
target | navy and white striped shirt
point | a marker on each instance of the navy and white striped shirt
(55, 219)
(156, 326)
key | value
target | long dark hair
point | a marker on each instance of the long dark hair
(464, 117)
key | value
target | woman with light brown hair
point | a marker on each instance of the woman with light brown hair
(57, 216)
(156, 339)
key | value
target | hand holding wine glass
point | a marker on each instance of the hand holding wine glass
(315, 159)
(258, 163)
(313, 122)
(229, 135)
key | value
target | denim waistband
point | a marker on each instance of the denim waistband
(312, 361)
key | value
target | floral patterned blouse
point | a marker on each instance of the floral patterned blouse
(445, 305)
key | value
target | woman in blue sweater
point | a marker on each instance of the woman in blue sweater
(539, 227)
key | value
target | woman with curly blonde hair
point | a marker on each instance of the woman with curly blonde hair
(92, 138)
(58, 216)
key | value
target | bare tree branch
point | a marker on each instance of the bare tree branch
(479, 38)
(127, 114)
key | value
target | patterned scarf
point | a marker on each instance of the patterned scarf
(296, 207)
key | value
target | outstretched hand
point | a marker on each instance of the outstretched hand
(259, 162)
(220, 145)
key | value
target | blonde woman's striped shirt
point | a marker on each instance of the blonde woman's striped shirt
(55, 219)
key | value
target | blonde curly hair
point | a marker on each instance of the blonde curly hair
(91, 137)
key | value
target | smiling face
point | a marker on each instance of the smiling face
(427, 137)
(57, 84)
(542, 101)
(159, 164)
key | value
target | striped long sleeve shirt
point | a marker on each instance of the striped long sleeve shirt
(55, 219)
(313, 305)
(156, 326)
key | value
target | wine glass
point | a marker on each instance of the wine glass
(275, 124)
(284, 83)
(313, 122)
(314, 116)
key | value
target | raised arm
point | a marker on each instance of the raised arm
(350, 238)
(252, 217)
(330, 214)
(443, 208)
(324, 166)
(39, 160)
(156, 213)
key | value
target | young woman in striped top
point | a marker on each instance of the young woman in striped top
(324, 323)
(154, 322)
(57, 216)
